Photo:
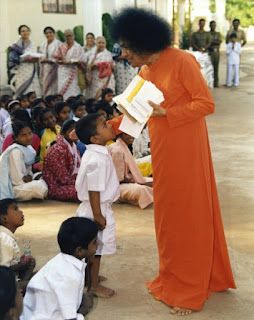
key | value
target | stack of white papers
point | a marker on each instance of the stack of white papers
(32, 55)
(133, 104)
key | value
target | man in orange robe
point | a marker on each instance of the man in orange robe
(193, 256)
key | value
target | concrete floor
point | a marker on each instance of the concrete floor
(232, 143)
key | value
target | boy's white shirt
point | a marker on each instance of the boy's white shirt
(56, 290)
(9, 249)
(75, 118)
(97, 173)
(233, 55)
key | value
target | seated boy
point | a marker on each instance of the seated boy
(78, 109)
(97, 187)
(56, 291)
(11, 218)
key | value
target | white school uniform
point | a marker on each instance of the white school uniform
(233, 61)
(56, 290)
(97, 173)
(9, 249)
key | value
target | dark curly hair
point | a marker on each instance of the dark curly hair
(142, 30)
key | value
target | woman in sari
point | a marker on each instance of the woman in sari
(99, 70)
(124, 72)
(48, 66)
(23, 72)
(70, 57)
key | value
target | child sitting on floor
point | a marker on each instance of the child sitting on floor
(56, 291)
(63, 112)
(11, 218)
(48, 120)
(17, 178)
(78, 109)
(97, 187)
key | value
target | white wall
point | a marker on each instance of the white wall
(29, 12)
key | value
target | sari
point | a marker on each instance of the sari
(97, 84)
(23, 75)
(48, 71)
(68, 73)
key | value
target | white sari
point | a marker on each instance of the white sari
(97, 83)
(48, 71)
(26, 72)
(68, 74)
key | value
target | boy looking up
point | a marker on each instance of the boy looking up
(11, 218)
(97, 187)
(56, 291)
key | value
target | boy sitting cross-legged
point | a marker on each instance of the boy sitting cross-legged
(56, 291)
(97, 186)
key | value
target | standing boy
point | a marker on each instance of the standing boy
(233, 51)
(97, 187)
(56, 291)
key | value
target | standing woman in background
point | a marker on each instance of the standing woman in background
(69, 56)
(49, 68)
(23, 72)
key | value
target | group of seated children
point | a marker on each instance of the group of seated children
(41, 159)
(56, 291)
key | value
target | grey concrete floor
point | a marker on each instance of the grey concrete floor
(232, 143)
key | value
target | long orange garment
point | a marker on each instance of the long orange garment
(193, 256)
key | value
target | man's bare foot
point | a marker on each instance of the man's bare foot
(181, 311)
(102, 278)
(102, 292)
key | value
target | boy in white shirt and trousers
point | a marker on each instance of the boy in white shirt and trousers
(97, 187)
(233, 51)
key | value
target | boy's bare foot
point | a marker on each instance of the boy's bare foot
(180, 311)
(102, 292)
(102, 278)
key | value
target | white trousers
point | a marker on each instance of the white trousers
(232, 69)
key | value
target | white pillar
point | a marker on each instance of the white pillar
(92, 13)
(4, 43)
(181, 15)
(220, 16)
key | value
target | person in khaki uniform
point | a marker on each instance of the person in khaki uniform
(201, 40)
(214, 51)
(241, 36)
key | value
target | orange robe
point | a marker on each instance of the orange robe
(193, 256)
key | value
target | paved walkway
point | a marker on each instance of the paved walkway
(231, 134)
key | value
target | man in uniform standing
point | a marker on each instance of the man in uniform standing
(214, 51)
(201, 40)
(241, 36)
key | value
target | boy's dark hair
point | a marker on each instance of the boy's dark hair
(45, 110)
(4, 206)
(30, 93)
(8, 290)
(18, 126)
(76, 232)
(233, 35)
(77, 98)
(106, 91)
(103, 105)
(89, 105)
(36, 111)
(71, 100)
(77, 104)
(59, 107)
(211, 22)
(236, 20)
(86, 127)
(143, 31)
(50, 98)
(69, 123)
(38, 101)
(201, 20)
(22, 115)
